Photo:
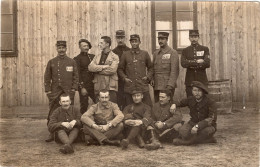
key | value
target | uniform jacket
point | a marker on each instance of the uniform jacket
(133, 65)
(107, 78)
(120, 49)
(60, 115)
(61, 73)
(138, 111)
(101, 115)
(203, 113)
(163, 114)
(195, 71)
(85, 76)
(165, 67)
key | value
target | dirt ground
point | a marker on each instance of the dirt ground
(22, 144)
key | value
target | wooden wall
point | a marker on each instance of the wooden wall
(231, 32)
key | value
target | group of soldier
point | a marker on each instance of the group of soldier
(118, 81)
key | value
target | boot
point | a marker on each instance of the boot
(124, 143)
(179, 141)
(50, 138)
(155, 143)
(140, 141)
(111, 142)
(67, 149)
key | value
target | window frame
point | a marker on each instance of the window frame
(174, 24)
(13, 53)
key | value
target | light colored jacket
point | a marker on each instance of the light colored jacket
(105, 78)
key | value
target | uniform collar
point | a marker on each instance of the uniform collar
(165, 49)
(203, 101)
(84, 53)
(194, 46)
(104, 107)
(62, 57)
(135, 50)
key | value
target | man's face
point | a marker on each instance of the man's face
(65, 102)
(137, 98)
(61, 50)
(84, 47)
(194, 39)
(104, 98)
(197, 93)
(135, 43)
(163, 98)
(102, 44)
(120, 41)
(162, 42)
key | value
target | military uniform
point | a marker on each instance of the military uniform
(61, 75)
(133, 65)
(119, 51)
(85, 79)
(195, 71)
(166, 68)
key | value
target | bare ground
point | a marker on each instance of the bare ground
(22, 144)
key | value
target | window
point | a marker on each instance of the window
(8, 28)
(177, 18)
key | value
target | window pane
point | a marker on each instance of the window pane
(184, 5)
(169, 39)
(184, 16)
(183, 39)
(163, 15)
(7, 6)
(7, 42)
(7, 23)
(184, 25)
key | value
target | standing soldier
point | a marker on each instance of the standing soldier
(132, 69)
(86, 85)
(61, 76)
(121, 47)
(196, 59)
(105, 66)
(166, 66)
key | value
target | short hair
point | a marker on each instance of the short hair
(167, 92)
(103, 91)
(84, 40)
(64, 95)
(107, 39)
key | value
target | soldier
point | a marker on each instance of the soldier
(132, 69)
(86, 85)
(166, 67)
(105, 66)
(196, 59)
(121, 47)
(61, 76)
(202, 124)
(103, 121)
(65, 124)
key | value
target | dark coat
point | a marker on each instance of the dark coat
(203, 113)
(60, 115)
(133, 65)
(195, 71)
(61, 74)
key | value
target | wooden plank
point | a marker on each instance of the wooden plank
(220, 64)
(208, 37)
(216, 43)
(224, 43)
(257, 51)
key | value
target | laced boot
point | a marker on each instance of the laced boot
(155, 143)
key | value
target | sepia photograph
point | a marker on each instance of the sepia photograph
(129, 83)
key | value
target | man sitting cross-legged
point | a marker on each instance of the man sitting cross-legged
(65, 124)
(166, 122)
(137, 117)
(103, 121)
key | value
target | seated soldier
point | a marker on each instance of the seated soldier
(103, 121)
(137, 116)
(202, 125)
(165, 122)
(65, 124)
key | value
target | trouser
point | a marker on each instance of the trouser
(132, 132)
(100, 136)
(84, 100)
(66, 137)
(54, 98)
(146, 99)
(112, 94)
(157, 92)
(185, 132)
(121, 100)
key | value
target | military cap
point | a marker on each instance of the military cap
(120, 33)
(194, 33)
(137, 91)
(163, 35)
(61, 43)
(134, 36)
(199, 85)
(84, 40)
